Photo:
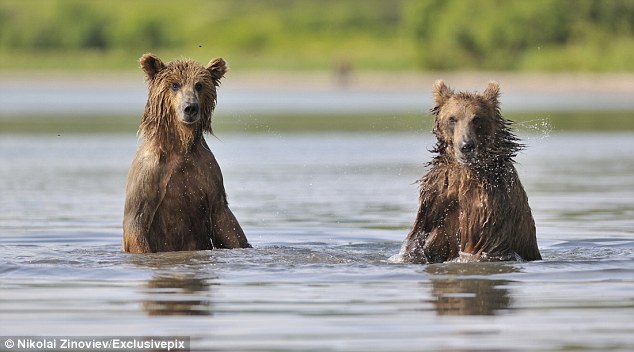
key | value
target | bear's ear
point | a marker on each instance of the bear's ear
(217, 68)
(441, 92)
(151, 65)
(492, 92)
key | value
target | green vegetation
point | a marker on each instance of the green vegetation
(551, 35)
(586, 35)
(255, 34)
(525, 123)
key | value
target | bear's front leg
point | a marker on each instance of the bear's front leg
(226, 231)
(135, 243)
(412, 250)
(145, 188)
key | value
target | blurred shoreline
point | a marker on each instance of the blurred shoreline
(269, 93)
(614, 81)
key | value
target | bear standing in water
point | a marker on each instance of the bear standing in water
(471, 200)
(175, 197)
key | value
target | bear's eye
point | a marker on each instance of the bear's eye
(176, 86)
(477, 122)
(451, 121)
(198, 87)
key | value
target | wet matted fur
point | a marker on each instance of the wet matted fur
(471, 200)
(175, 196)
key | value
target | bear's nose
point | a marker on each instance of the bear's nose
(191, 109)
(467, 146)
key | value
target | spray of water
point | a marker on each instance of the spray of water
(537, 129)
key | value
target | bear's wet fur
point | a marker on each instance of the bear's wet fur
(471, 203)
(175, 196)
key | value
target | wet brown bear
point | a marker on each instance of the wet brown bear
(471, 200)
(175, 197)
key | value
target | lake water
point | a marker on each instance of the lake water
(324, 212)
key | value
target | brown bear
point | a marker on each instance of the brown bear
(175, 197)
(471, 200)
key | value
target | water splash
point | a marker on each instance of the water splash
(539, 128)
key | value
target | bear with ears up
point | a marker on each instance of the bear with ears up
(471, 202)
(175, 197)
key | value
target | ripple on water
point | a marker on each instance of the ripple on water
(324, 213)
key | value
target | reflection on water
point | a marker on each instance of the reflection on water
(470, 296)
(474, 294)
(324, 213)
(174, 288)
(177, 295)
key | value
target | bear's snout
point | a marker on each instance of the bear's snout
(467, 146)
(190, 112)
(465, 151)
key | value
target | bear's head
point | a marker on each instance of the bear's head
(470, 128)
(181, 98)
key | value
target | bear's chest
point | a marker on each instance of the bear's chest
(187, 184)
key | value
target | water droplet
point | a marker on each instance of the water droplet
(540, 128)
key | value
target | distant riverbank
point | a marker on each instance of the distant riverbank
(281, 98)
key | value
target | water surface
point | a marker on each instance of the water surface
(324, 213)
